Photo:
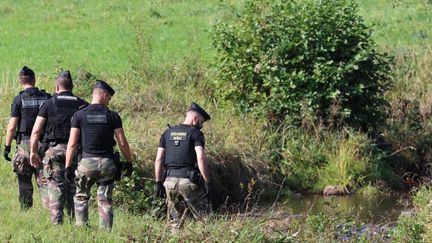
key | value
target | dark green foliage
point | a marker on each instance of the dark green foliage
(408, 138)
(290, 59)
(135, 194)
(83, 83)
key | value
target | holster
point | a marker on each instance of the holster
(195, 177)
(79, 153)
(18, 138)
(44, 147)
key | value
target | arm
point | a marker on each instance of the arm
(13, 123)
(202, 163)
(72, 145)
(123, 144)
(34, 141)
(159, 164)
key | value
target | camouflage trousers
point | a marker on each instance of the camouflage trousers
(102, 172)
(184, 197)
(60, 192)
(25, 172)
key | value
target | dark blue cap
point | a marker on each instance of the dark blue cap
(195, 107)
(103, 85)
(64, 75)
(26, 71)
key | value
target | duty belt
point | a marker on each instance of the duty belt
(179, 172)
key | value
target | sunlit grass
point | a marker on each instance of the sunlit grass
(102, 37)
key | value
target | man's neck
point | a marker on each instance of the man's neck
(187, 122)
(63, 90)
(27, 86)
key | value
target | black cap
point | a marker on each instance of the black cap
(64, 75)
(195, 107)
(26, 71)
(103, 85)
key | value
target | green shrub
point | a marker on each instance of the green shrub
(135, 194)
(286, 59)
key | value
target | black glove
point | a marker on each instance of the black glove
(6, 152)
(128, 168)
(159, 190)
(69, 175)
(119, 171)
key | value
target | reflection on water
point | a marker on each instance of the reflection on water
(372, 209)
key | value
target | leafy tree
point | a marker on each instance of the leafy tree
(290, 59)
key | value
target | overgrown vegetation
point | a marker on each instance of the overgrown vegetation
(158, 56)
(292, 59)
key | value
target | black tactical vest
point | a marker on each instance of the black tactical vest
(97, 131)
(179, 147)
(30, 103)
(58, 126)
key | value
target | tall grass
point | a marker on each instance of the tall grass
(264, 225)
(156, 54)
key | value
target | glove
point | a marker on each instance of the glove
(6, 152)
(159, 190)
(69, 175)
(119, 170)
(128, 168)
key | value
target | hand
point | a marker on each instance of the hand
(35, 160)
(159, 190)
(69, 175)
(6, 152)
(128, 167)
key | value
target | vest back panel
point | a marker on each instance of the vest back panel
(30, 103)
(179, 147)
(97, 132)
(58, 126)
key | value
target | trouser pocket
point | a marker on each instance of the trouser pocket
(21, 165)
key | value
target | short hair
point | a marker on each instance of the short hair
(101, 91)
(194, 112)
(65, 83)
(27, 79)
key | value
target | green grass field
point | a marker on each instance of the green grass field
(100, 35)
(158, 55)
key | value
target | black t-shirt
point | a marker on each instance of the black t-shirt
(78, 118)
(16, 105)
(97, 143)
(47, 109)
(196, 135)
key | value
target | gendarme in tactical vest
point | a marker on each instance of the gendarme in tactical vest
(58, 126)
(31, 100)
(97, 133)
(180, 152)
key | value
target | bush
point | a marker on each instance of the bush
(288, 59)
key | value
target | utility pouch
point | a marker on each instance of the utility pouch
(195, 177)
(43, 148)
(18, 138)
(79, 153)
